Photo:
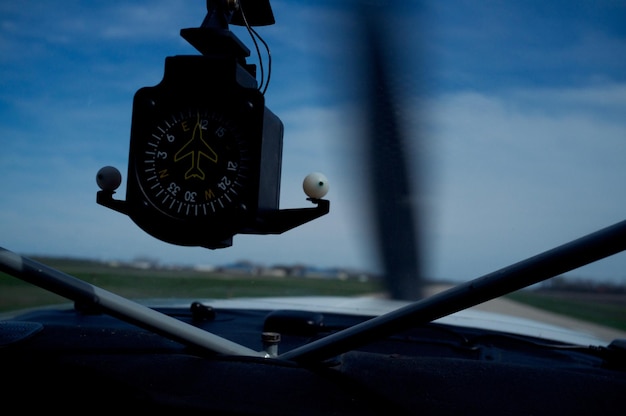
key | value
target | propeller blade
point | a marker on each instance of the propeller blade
(393, 193)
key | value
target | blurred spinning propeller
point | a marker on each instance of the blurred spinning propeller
(395, 193)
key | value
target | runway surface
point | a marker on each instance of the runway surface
(509, 307)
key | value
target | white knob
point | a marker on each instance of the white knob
(315, 185)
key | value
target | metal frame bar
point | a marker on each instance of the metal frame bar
(77, 290)
(569, 256)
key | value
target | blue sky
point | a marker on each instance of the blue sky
(523, 104)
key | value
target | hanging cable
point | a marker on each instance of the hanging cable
(264, 83)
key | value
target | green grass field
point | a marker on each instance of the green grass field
(140, 283)
(597, 308)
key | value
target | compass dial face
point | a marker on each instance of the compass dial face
(194, 165)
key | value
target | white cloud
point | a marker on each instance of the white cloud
(524, 171)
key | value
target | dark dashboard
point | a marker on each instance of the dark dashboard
(78, 359)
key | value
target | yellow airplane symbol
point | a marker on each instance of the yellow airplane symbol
(196, 148)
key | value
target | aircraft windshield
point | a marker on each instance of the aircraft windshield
(455, 138)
